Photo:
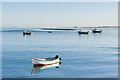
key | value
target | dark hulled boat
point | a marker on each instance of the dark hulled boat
(81, 32)
(96, 31)
(27, 33)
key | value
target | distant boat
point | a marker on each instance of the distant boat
(49, 31)
(83, 32)
(46, 61)
(38, 69)
(75, 26)
(96, 31)
(27, 33)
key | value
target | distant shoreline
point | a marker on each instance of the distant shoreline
(105, 27)
(53, 29)
(60, 28)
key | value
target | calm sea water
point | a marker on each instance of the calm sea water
(83, 56)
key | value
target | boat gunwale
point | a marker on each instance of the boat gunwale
(46, 60)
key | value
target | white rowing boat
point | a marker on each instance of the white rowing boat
(46, 61)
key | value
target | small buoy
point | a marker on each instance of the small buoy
(60, 63)
(60, 58)
(57, 67)
(49, 31)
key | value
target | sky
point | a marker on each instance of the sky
(59, 14)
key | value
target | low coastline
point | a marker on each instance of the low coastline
(53, 28)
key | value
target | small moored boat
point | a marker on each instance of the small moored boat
(49, 31)
(82, 32)
(27, 33)
(96, 31)
(46, 61)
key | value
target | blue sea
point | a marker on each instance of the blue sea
(83, 56)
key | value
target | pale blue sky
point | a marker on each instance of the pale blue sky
(59, 14)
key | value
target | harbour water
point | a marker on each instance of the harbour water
(83, 56)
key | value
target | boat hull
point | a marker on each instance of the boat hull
(83, 32)
(43, 64)
(27, 33)
(97, 31)
(36, 62)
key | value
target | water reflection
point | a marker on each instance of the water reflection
(80, 35)
(25, 37)
(38, 69)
